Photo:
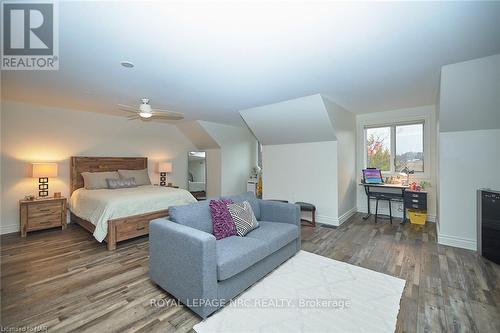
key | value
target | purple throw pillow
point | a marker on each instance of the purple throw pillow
(221, 219)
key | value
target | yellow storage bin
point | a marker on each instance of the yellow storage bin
(417, 216)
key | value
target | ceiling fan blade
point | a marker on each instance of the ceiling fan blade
(160, 111)
(133, 117)
(129, 111)
(167, 117)
(127, 108)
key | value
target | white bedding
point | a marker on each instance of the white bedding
(196, 186)
(99, 206)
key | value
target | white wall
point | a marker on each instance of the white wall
(214, 172)
(344, 123)
(468, 161)
(237, 155)
(428, 115)
(231, 153)
(303, 172)
(470, 95)
(33, 133)
(308, 154)
(469, 145)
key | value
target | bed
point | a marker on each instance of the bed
(116, 215)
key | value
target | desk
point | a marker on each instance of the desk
(395, 196)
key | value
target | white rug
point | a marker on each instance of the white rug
(311, 293)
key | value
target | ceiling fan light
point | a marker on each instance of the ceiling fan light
(145, 114)
(145, 108)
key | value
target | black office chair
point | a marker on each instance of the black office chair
(379, 197)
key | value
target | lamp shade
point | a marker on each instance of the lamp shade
(42, 170)
(165, 167)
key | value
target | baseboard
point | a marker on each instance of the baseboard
(8, 229)
(347, 215)
(431, 218)
(323, 219)
(329, 220)
(464, 243)
(395, 213)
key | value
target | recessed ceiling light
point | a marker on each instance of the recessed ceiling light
(127, 64)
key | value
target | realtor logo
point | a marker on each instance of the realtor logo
(30, 36)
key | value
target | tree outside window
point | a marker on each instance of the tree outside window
(378, 148)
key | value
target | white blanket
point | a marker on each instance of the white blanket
(99, 206)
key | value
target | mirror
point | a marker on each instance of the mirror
(197, 173)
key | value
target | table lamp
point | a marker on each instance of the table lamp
(406, 171)
(163, 168)
(44, 171)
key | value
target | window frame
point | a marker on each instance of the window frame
(392, 126)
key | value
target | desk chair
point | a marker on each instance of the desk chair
(385, 198)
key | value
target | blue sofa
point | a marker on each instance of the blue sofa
(204, 273)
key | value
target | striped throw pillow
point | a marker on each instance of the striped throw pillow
(243, 217)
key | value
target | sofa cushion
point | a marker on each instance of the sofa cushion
(196, 215)
(251, 198)
(275, 234)
(235, 254)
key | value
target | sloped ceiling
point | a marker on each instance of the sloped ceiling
(470, 95)
(210, 60)
(299, 120)
(210, 135)
(198, 135)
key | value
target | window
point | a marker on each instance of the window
(378, 148)
(410, 147)
(392, 148)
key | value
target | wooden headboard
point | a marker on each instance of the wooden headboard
(99, 164)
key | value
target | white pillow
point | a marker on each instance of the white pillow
(141, 176)
(243, 217)
(97, 180)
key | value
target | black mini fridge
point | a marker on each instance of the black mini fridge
(488, 226)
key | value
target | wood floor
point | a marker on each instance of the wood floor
(62, 281)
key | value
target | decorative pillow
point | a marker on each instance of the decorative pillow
(221, 219)
(121, 183)
(97, 180)
(141, 176)
(243, 217)
(251, 198)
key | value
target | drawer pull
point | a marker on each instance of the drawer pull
(46, 222)
(140, 228)
(45, 210)
(415, 200)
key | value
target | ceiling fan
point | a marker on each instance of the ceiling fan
(145, 111)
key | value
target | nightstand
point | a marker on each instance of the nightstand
(42, 214)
